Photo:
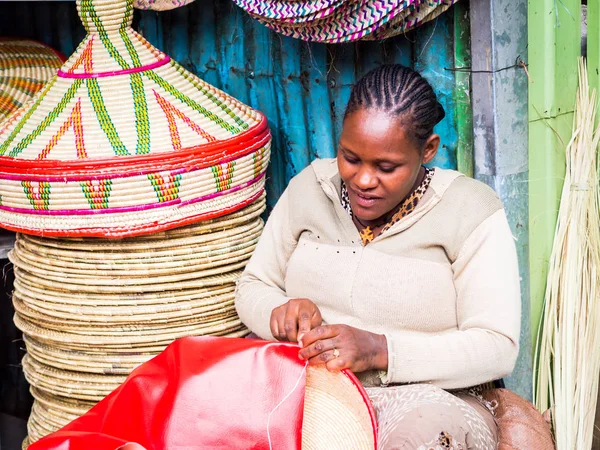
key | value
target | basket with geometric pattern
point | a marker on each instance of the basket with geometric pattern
(335, 21)
(123, 141)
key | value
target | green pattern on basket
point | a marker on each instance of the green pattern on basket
(223, 175)
(191, 103)
(165, 189)
(97, 194)
(40, 197)
(202, 88)
(50, 118)
(104, 119)
(257, 158)
(87, 9)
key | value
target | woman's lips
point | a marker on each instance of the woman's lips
(365, 200)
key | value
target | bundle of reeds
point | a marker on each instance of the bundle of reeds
(568, 356)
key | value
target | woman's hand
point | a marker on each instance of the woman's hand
(344, 347)
(290, 321)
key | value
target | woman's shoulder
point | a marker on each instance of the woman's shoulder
(319, 174)
(463, 191)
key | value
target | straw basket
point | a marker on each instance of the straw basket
(123, 141)
(334, 21)
(25, 67)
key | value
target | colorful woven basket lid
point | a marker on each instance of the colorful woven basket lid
(334, 21)
(25, 67)
(124, 141)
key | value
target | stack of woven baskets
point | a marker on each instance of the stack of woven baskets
(334, 21)
(137, 189)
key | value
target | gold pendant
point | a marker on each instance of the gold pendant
(367, 235)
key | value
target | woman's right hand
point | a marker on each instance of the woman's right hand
(290, 321)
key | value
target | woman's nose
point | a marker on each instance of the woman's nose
(365, 179)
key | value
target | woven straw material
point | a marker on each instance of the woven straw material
(336, 414)
(335, 21)
(123, 141)
(25, 67)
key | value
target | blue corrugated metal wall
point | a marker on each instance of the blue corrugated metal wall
(302, 88)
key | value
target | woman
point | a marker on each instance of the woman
(405, 275)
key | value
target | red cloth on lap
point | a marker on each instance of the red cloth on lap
(200, 393)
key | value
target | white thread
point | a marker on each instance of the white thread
(281, 403)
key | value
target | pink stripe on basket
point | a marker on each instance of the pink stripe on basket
(125, 209)
(152, 66)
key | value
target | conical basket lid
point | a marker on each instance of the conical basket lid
(124, 141)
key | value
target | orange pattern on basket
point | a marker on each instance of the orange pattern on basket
(166, 186)
(74, 121)
(171, 112)
(85, 58)
(39, 196)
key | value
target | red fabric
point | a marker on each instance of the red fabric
(201, 393)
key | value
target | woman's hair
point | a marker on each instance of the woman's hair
(401, 92)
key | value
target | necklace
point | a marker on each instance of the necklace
(408, 205)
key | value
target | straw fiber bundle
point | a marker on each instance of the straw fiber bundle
(123, 141)
(334, 21)
(568, 361)
(91, 310)
(25, 67)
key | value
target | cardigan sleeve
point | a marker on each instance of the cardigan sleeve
(485, 345)
(261, 287)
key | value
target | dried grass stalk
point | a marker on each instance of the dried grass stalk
(568, 356)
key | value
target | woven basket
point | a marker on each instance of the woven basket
(123, 141)
(25, 67)
(337, 411)
(91, 310)
(335, 21)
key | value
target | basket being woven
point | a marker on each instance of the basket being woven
(123, 141)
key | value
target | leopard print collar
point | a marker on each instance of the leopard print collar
(403, 210)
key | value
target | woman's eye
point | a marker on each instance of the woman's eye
(387, 169)
(350, 160)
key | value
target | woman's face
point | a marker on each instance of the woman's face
(379, 162)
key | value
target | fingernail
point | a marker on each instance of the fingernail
(300, 343)
(300, 356)
(300, 336)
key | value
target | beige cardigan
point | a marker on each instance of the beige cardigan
(442, 284)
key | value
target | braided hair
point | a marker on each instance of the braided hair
(403, 93)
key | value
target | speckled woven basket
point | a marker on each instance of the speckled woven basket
(335, 21)
(125, 142)
(25, 67)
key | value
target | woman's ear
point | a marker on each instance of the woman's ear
(431, 147)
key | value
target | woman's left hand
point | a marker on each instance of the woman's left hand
(344, 347)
